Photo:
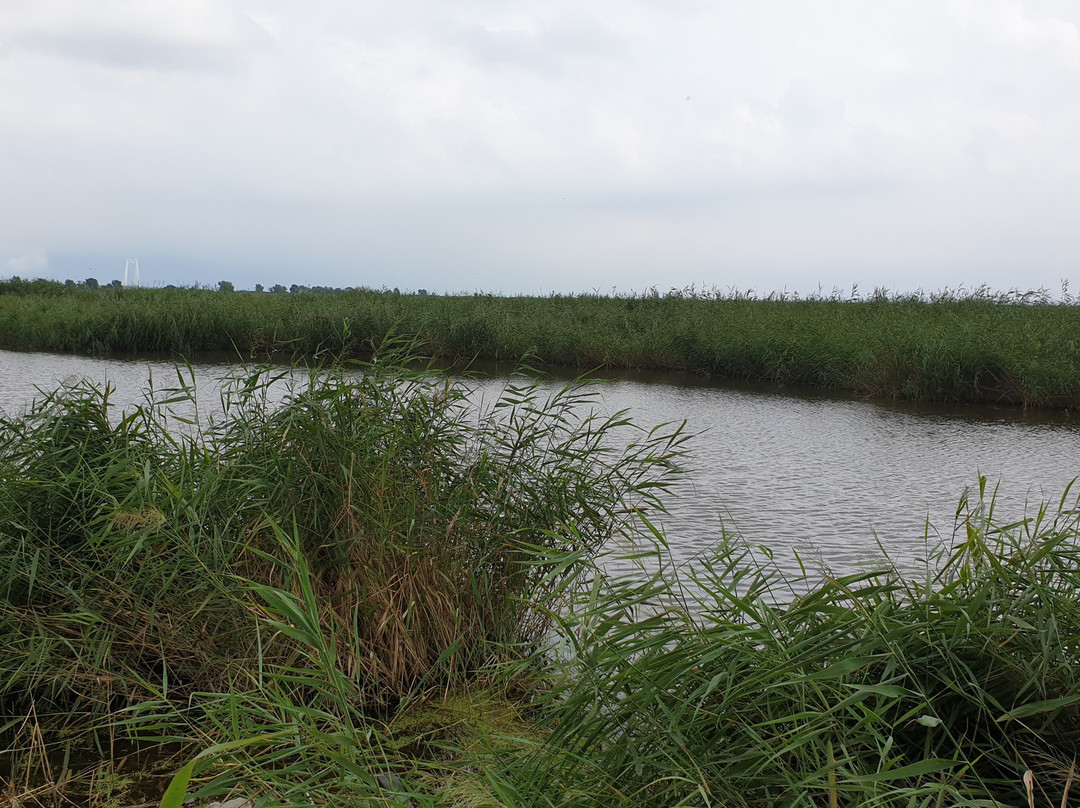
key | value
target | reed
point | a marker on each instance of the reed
(344, 539)
(746, 688)
(947, 347)
(356, 588)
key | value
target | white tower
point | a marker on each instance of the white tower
(127, 265)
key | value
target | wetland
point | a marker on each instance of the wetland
(363, 580)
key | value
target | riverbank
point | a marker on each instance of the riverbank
(366, 593)
(973, 349)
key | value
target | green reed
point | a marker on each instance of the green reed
(288, 573)
(351, 586)
(741, 686)
(950, 347)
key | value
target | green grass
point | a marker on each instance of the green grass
(866, 689)
(299, 569)
(1018, 350)
(353, 589)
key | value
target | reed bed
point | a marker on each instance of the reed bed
(733, 685)
(343, 540)
(944, 347)
(354, 589)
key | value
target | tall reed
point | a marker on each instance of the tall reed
(284, 589)
(962, 347)
(739, 687)
(281, 576)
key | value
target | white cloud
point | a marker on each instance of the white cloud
(131, 34)
(1012, 24)
(617, 139)
(32, 263)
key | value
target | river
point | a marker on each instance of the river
(836, 479)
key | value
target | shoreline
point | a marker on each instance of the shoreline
(962, 351)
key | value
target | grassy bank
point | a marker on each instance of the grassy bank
(367, 593)
(974, 348)
(860, 689)
(296, 570)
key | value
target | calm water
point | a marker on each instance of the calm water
(829, 477)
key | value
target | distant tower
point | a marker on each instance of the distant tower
(127, 265)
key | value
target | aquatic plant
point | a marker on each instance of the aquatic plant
(342, 538)
(356, 585)
(734, 685)
(950, 346)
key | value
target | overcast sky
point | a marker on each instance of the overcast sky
(536, 147)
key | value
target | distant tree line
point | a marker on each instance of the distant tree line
(300, 289)
(42, 286)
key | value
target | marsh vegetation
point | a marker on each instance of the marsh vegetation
(944, 347)
(352, 589)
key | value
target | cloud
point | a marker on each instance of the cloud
(166, 36)
(132, 52)
(27, 263)
(422, 139)
(805, 109)
(1010, 23)
(542, 45)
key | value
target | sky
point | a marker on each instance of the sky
(543, 147)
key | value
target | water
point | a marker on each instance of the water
(834, 479)
(843, 480)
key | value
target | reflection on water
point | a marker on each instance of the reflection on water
(24, 375)
(835, 479)
(838, 479)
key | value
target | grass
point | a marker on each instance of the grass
(356, 589)
(869, 689)
(343, 541)
(946, 347)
